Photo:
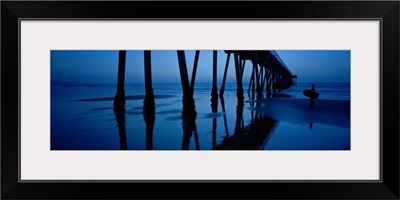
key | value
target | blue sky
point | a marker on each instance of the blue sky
(99, 66)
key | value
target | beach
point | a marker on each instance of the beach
(323, 127)
(82, 118)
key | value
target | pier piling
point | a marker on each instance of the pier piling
(148, 102)
(222, 90)
(239, 84)
(187, 99)
(119, 100)
(149, 119)
(268, 70)
(214, 92)
(192, 80)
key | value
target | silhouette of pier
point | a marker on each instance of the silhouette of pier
(269, 74)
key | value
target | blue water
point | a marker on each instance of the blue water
(327, 90)
(82, 118)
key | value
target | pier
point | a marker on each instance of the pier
(269, 75)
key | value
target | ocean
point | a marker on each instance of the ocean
(82, 118)
(327, 90)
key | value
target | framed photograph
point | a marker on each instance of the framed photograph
(101, 97)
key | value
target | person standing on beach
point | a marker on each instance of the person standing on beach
(312, 95)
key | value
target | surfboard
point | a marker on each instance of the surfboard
(311, 94)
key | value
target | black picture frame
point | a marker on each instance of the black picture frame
(386, 11)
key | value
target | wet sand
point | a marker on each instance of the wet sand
(84, 120)
(301, 127)
(298, 111)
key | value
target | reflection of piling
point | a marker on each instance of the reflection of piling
(119, 100)
(187, 99)
(214, 133)
(120, 117)
(225, 121)
(239, 118)
(196, 138)
(148, 103)
(252, 104)
(149, 119)
(188, 126)
(254, 136)
(187, 134)
(214, 108)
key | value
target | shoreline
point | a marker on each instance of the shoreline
(90, 124)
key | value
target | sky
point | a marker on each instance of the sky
(101, 66)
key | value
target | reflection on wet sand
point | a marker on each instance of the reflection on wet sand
(121, 121)
(214, 108)
(250, 137)
(189, 127)
(245, 137)
(149, 119)
(225, 121)
(189, 115)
